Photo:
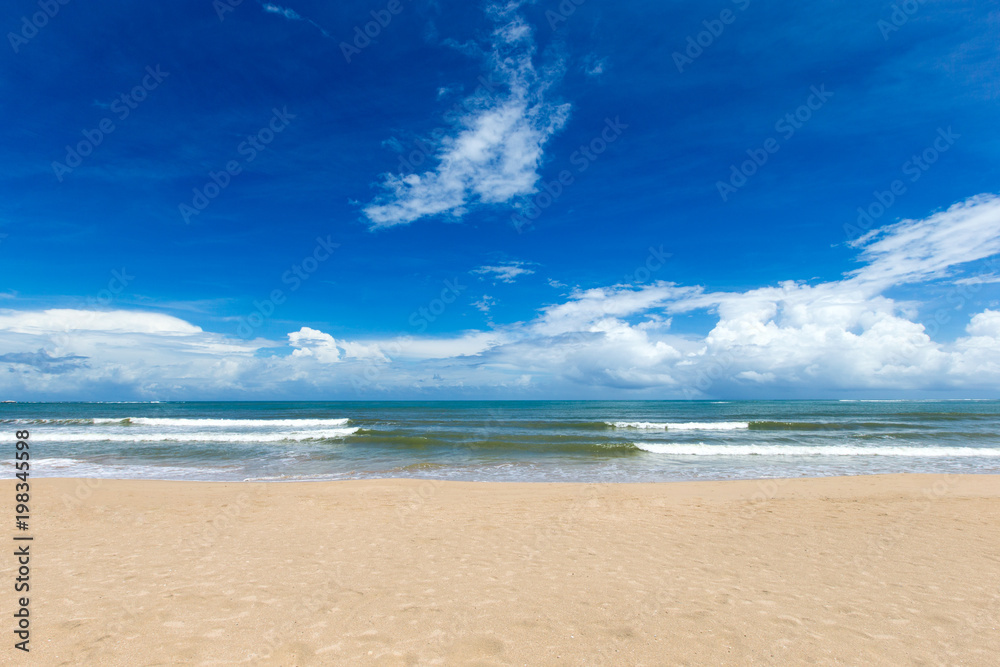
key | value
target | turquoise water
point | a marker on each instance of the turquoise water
(620, 441)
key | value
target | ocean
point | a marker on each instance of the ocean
(527, 441)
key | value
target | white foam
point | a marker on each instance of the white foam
(59, 467)
(229, 423)
(701, 449)
(64, 436)
(170, 421)
(54, 463)
(684, 426)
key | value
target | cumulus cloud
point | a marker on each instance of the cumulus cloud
(845, 335)
(322, 347)
(313, 343)
(985, 325)
(495, 148)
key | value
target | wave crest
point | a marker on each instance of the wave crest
(701, 449)
(294, 436)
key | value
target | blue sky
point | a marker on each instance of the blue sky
(429, 156)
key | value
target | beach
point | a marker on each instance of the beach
(880, 569)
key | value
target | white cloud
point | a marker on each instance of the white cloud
(594, 66)
(355, 350)
(505, 272)
(985, 325)
(840, 336)
(496, 147)
(125, 353)
(485, 303)
(470, 344)
(586, 308)
(984, 279)
(917, 250)
(69, 320)
(292, 15)
(284, 11)
(313, 343)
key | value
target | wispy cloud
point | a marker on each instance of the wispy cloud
(988, 279)
(506, 272)
(918, 250)
(485, 303)
(495, 148)
(594, 66)
(292, 15)
(284, 11)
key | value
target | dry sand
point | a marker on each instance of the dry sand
(899, 569)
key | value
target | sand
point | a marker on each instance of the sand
(897, 569)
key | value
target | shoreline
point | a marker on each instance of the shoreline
(870, 568)
(553, 483)
(530, 483)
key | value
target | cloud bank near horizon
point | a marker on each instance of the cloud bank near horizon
(613, 341)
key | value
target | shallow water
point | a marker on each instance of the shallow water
(620, 441)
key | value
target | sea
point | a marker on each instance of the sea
(515, 441)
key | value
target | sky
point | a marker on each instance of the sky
(413, 199)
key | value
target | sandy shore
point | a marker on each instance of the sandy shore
(901, 569)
